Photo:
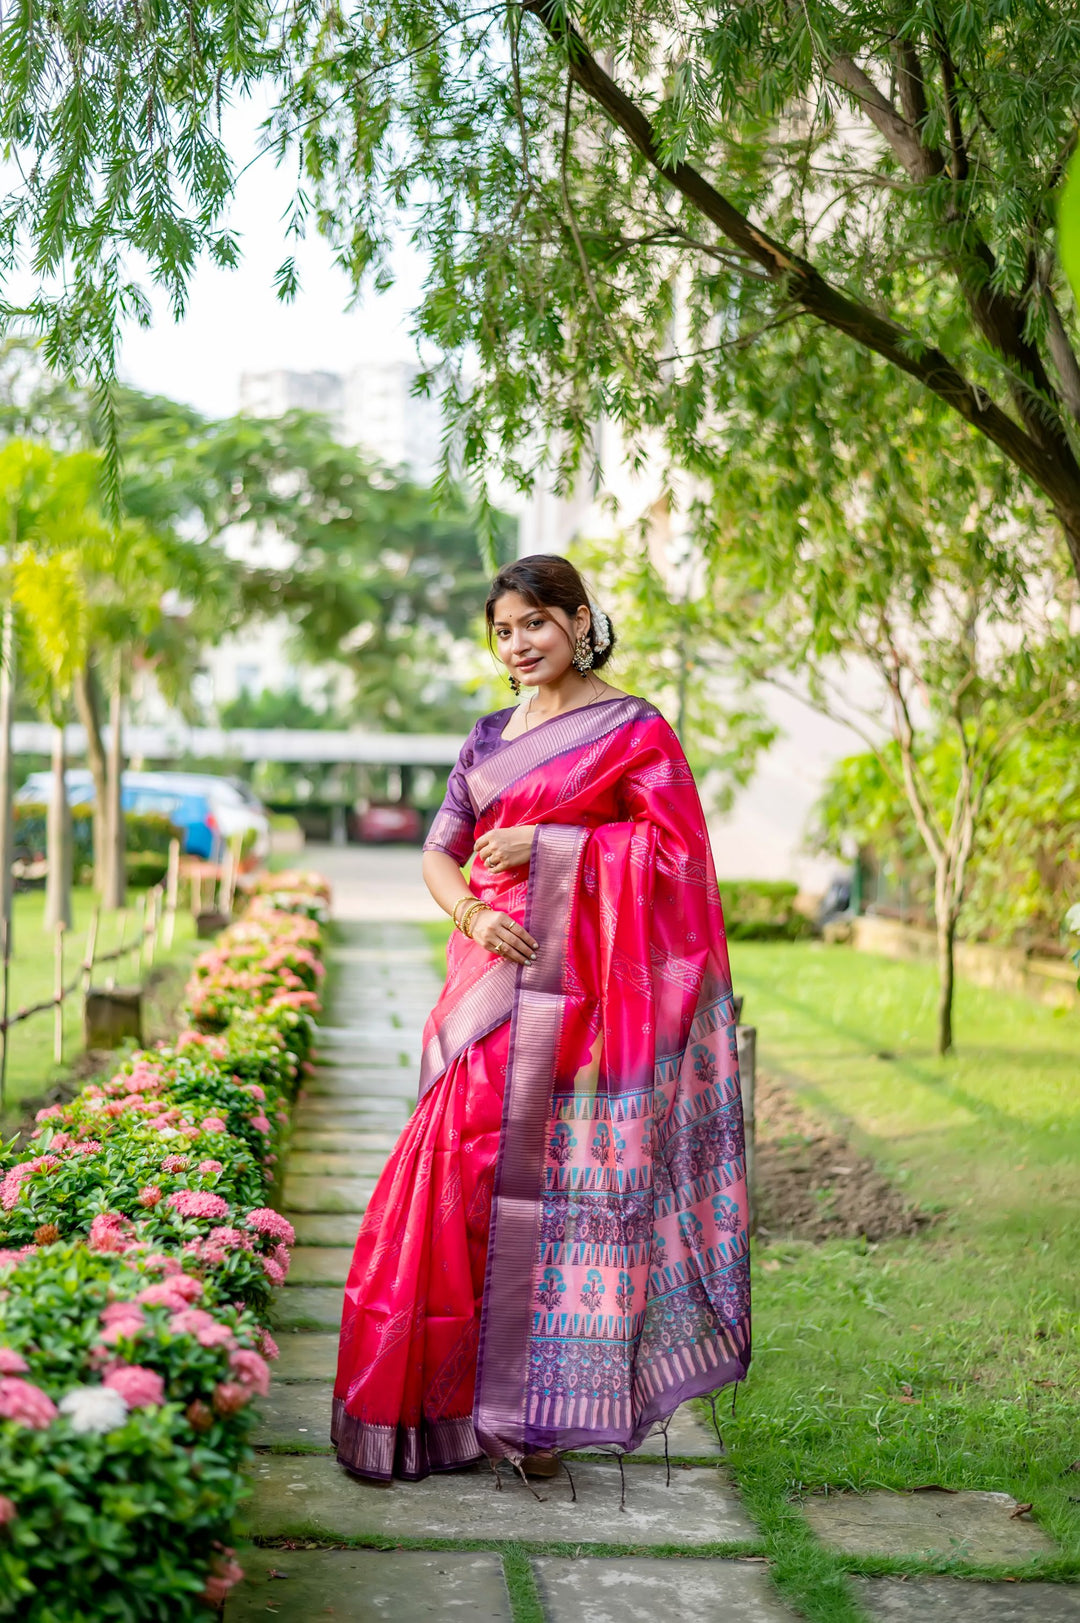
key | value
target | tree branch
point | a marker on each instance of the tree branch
(921, 162)
(999, 318)
(1051, 466)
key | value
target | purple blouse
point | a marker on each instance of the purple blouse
(453, 829)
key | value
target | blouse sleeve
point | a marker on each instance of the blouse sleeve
(454, 827)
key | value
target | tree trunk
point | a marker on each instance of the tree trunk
(7, 785)
(946, 945)
(58, 841)
(115, 888)
(87, 703)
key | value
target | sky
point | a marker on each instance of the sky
(234, 321)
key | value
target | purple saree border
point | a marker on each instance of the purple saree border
(487, 1003)
(492, 776)
(410, 1453)
(506, 1320)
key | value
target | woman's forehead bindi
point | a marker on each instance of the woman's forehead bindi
(511, 607)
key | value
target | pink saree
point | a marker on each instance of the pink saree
(556, 1253)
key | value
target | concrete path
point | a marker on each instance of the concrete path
(471, 1543)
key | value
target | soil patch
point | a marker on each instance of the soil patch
(812, 1184)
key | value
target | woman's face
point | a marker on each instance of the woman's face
(535, 645)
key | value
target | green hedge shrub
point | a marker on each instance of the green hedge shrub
(146, 831)
(762, 910)
(137, 1259)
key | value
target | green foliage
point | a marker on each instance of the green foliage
(1069, 226)
(152, 1184)
(891, 172)
(276, 708)
(1025, 866)
(762, 910)
(977, 1315)
(386, 577)
(123, 1524)
(675, 647)
(147, 832)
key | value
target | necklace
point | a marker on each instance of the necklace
(532, 701)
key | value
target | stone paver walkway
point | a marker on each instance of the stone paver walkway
(334, 1547)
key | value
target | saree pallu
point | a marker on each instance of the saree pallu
(602, 1198)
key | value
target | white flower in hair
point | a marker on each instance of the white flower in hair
(601, 628)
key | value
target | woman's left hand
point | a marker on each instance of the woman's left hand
(502, 848)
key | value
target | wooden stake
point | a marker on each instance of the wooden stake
(196, 891)
(140, 936)
(110, 981)
(91, 948)
(226, 882)
(152, 906)
(58, 994)
(172, 892)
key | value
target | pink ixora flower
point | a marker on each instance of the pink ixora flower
(149, 1195)
(89, 1146)
(11, 1362)
(274, 1272)
(231, 1239)
(117, 1312)
(11, 1187)
(269, 1346)
(48, 1113)
(217, 1586)
(25, 1403)
(162, 1260)
(195, 1321)
(214, 1124)
(256, 1092)
(210, 1169)
(122, 1330)
(198, 1203)
(230, 1397)
(8, 1512)
(110, 1231)
(139, 1387)
(163, 1294)
(250, 1370)
(174, 1163)
(261, 1124)
(266, 1221)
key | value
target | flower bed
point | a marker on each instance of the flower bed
(137, 1256)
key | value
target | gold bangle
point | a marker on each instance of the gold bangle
(466, 913)
(469, 917)
(461, 901)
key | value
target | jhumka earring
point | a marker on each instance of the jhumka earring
(583, 653)
(514, 683)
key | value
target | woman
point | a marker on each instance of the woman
(555, 1256)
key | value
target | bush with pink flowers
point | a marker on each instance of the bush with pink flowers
(138, 1252)
(125, 1391)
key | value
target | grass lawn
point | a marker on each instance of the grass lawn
(951, 1358)
(30, 1068)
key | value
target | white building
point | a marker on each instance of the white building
(371, 406)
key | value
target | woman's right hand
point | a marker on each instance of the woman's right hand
(504, 936)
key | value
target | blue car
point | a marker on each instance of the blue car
(207, 810)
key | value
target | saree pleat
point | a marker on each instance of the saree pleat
(403, 1399)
